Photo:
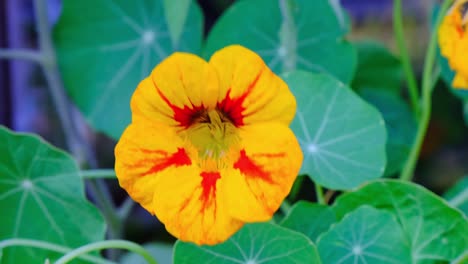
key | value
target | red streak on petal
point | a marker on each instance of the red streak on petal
(185, 116)
(209, 184)
(232, 107)
(248, 167)
(179, 158)
(460, 30)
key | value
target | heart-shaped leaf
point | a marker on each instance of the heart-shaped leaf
(436, 231)
(254, 243)
(342, 136)
(105, 47)
(42, 197)
(366, 235)
(300, 34)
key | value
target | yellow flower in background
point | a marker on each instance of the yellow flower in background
(453, 42)
(209, 147)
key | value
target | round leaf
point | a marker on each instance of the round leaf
(42, 197)
(400, 123)
(106, 47)
(254, 243)
(341, 135)
(366, 235)
(312, 41)
(309, 219)
(437, 231)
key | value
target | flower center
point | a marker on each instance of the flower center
(213, 135)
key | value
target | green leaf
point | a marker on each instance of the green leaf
(300, 34)
(400, 123)
(457, 196)
(342, 136)
(176, 14)
(366, 235)
(377, 68)
(161, 252)
(437, 231)
(465, 110)
(254, 243)
(106, 47)
(42, 197)
(309, 219)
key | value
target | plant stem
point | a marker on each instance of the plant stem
(285, 207)
(104, 201)
(20, 54)
(98, 174)
(125, 208)
(48, 246)
(121, 244)
(405, 58)
(319, 193)
(427, 85)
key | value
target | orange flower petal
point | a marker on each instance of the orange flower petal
(453, 42)
(178, 87)
(248, 90)
(263, 173)
(144, 150)
(191, 207)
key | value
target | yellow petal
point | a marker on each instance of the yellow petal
(249, 92)
(144, 150)
(262, 176)
(460, 82)
(177, 88)
(191, 207)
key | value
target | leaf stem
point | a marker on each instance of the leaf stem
(14, 242)
(404, 57)
(125, 209)
(121, 244)
(427, 85)
(104, 201)
(459, 199)
(319, 193)
(98, 174)
(20, 54)
(285, 207)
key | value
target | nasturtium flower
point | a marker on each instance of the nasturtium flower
(209, 147)
(453, 41)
